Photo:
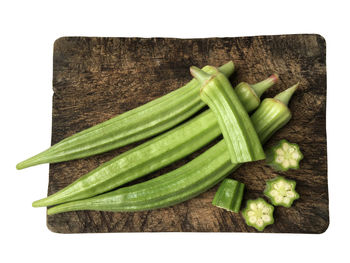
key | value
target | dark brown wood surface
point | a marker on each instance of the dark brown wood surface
(95, 79)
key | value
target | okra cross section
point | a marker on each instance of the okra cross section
(281, 191)
(284, 156)
(258, 214)
(239, 134)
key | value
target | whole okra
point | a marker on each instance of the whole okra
(140, 123)
(189, 180)
(143, 159)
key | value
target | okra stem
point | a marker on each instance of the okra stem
(199, 74)
(260, 87)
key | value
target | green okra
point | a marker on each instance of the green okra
(183, 183)
(284, 156)
(274, 109)
(242, 140)
(140, 123)
(141, 160)
(249, 94)
(258, 214)
(281, 191)
(229, 195)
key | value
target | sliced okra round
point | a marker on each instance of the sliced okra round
(284, 156)
(281, 191)
(258, 214)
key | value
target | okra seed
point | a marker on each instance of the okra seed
(280, 152)
(279, 159)
(266, 210)
(251, 213)
(291, 150)
(273, 193)
(295, 155)
(285, 163)
(266, 218)
(260, 222)
(290, 194)
(253, 206)
(260, 205)
(279, 198)
(285, 146)
(280, 184)
(252, 219)
(293, 162)
(286, 200)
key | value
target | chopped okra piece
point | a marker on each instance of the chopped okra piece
(284, 156)
(229, 195)
(281, 191)
(258, 214)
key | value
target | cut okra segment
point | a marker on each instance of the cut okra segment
(284, 156)
(258, 214)
(281, 191)
(229, 195)
(239, 134)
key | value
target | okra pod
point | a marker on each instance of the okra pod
(140, 123)
(141, 160)
(183, 183)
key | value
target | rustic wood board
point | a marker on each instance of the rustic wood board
(95, 79)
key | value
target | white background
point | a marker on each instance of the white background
(28, 31)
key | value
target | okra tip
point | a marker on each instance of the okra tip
(286, 95)
(38, 203)
(23, 164)
(47, 201)
(34, 160)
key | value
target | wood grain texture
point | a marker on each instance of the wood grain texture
(95, 79)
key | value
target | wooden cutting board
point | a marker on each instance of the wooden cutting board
(95, 79)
